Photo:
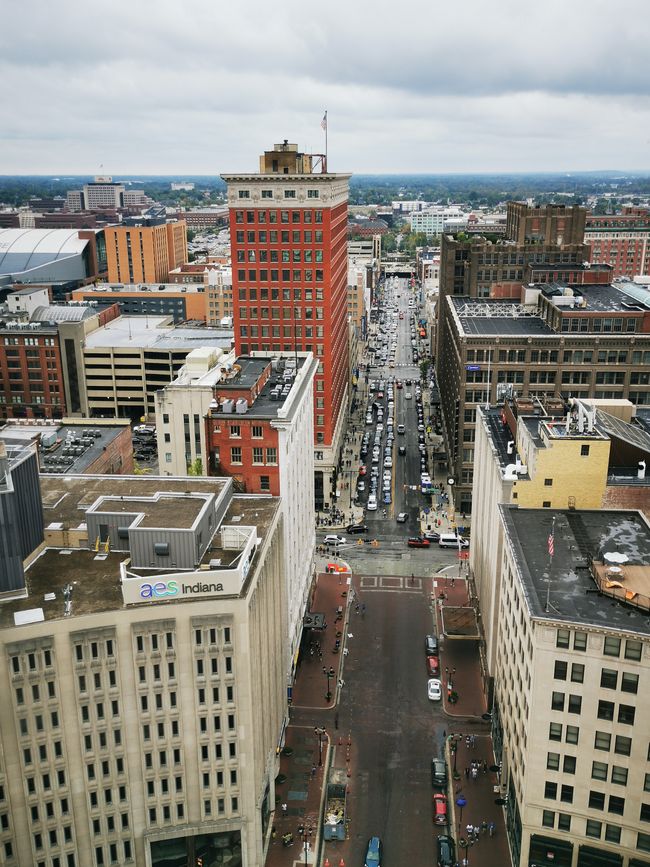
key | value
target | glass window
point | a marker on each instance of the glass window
(597, 800)
(626, 714)
(575, 703)
(557, 702)
(563, 822)
(593, 828)
(560, 669)
(602, 741)
(569, 765)
(608, 678)
(548, 819)
(622, 745)
(612, 646)
(580, 641)
(616, 805)
(599, 770)
(633, 650)
(619, 775)
(629, 682)
(553, 761)
(562, 638)
(612, 833)
(566, 794)
(577, 672)
(555, 732)
(606, 710)
(550, 791)
(572, 734)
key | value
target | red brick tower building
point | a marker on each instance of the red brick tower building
(288, 231)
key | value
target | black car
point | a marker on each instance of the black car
(438, 774)
(446, 854)
(432, 537)
(357, 528)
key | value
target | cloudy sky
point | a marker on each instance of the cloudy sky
(203, 86)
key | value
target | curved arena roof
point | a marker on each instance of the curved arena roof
(25, 249)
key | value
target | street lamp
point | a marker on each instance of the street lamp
(460, 802)
(320, 734)
(329, 674)
(305, 833)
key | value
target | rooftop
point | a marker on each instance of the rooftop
(154, 332)
(25, 249)
(597, 297)
(491, 317)
(95, 577)
(562, 587)
(67, 441)
(143, 288)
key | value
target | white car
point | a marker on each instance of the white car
(402, 518)
(408, 395)
(434, 689)
(372, 503)
(333, 539)
(388, 462)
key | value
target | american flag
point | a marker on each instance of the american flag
(323, 122)
(551, 544)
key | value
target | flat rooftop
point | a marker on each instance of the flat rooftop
(566, 579)
(53, 457)
(95, 577)
(157, 511)
(67, 497)
(264, 406)
(480, 318)
(144, 288)
(595, 298)
(154, 332)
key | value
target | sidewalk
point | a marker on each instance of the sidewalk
(312, 732)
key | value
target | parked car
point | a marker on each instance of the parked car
(433, 666)
(431, 645)
(445, 851)
(439, 774)
(434, 689)
(334, 539)
(356, 528)
(373, 853)
(439, 809)
(418, 542)
(432, 537)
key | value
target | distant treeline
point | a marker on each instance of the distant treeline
(471, 189)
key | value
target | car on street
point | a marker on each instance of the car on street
(401, 450)
(439, 774)
(371, 506)
(418, 542)
(402, 518)
(439, 809)
(361, 485)
(401, 429)
(363, 470)
(387, 498)
(356, 528)
(430, 535)
(431, 645)
(334, 539)
(433, 666)
(373, 853)
(445, 851)
(434, 689)
(407, 395)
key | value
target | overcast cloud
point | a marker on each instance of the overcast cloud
(202, 87)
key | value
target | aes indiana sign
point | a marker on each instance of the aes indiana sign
(181, 587)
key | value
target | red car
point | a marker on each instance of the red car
(440, 809)
(362, 470)
(433, 666)
(418, 542)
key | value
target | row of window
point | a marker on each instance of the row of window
(275, 276)
(612, 645)
(249, 293)
(302, 216)
(288, 193)
(284, 237)
(295, 255)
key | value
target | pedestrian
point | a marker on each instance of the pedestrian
(468, 741)
(474, 774)
(467, 772)
(313, 772)
(273, 832)
(285, 809)
(472, 741)
(470, 831)
(491, 829)
(484, 766)
(484, 826)
(336, 720)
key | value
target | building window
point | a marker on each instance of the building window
(562, 638)
(258, 455)
(643, 842)
(548, 819)
(633, 650)
(619, 775)
(244, 194)
(580, 641)
(599, 771)
(563, 822)
(602, 741)
(606, 710)
(557, 702)
(235, 431)
(265, 483)
(569, 765)
(553, 761)
(612, 646)
(267, 194)
(626, 714)
(550, 791)
(566, 794)
(555, 732)
(597, 800)
(584, 451)
(235, 455)
(271, 456)
(575, 703)
(616, 805)
(577, 672)
(593, 828)
(560, 670)
(608, 678)
(313, 194)
(548, 482)
(257, 431)
(546, 504)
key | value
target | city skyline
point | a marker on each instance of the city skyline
(417, 89)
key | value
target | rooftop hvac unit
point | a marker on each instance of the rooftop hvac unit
(241, 405)
(214, 564)
(228, 405)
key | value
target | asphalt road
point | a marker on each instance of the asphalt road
(395, 728)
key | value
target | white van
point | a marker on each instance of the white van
(372, 503)
(451, 540)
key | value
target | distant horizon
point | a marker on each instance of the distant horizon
(612, 173)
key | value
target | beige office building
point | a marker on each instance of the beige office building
(141, 669)
(571, 687)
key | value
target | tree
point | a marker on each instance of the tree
(195, 468)
(424, 369)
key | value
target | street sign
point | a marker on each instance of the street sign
(426, 510)
(472, 367)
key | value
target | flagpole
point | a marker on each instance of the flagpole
(326, 140)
